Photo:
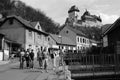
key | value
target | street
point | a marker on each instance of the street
(12, 72)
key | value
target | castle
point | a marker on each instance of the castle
(87, 19)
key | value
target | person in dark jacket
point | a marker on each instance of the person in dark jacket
(32, 59)
(27, 57)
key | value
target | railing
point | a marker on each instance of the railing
(81, 63)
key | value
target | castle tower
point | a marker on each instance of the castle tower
(73, 14)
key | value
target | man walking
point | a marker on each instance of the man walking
(39, 57)
(27, 57)
(32, 59)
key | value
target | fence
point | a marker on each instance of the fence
(93, 63)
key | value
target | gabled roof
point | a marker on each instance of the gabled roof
(113, 26)
(24, 22)
(76, 31)
(63, 40)
(105, 27)
(34, 23)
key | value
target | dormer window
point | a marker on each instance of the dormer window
(38, 27)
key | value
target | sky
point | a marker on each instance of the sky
(57, 10)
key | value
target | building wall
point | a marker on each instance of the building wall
(29, 39)
(52, 42)
(35, 40)
(79, 44)
(14, 31)
(114, 36)
(91, 23)
(82, 42)
(68, 33)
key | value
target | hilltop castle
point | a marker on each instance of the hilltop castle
(87, 19)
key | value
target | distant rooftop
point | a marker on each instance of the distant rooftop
(73, 8)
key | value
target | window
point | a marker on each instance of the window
(66, 31)
(11, 21)
(38, 27)
(0, 44)
(48, 39)
(78, 39)
(30, 33)
(83, 41)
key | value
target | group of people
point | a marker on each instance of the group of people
(43, 56)
(27, 56)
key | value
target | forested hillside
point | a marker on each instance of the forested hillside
(8, 7)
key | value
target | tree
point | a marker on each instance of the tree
(21, 9)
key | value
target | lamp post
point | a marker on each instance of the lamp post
(61, 55)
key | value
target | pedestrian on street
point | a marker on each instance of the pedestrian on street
(27, 57)
(45, 59)
(39, 57)
(22, 58)
(32, 59)
(52, 55)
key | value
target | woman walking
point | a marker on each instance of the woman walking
(45, 59)
(22, 58)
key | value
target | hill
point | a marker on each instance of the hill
(12, 7)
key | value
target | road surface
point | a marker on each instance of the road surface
(12, 72)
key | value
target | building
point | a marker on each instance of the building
(27, 34)
(79, 38)
(61, 42)
(111, 35)
(87, 19)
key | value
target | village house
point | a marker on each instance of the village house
(61, 42)
(27, 34)
(111, 35)
(79, 38)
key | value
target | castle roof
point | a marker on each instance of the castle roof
(88, 16)
(73, 8)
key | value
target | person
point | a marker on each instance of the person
(32, 59)
(45, 59)
(27, 57)
(61, 54)
(22, 58)
(51, 52)
(39, 58)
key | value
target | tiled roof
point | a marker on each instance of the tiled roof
(76, 31)
(73, 8)
(105, 27)
(25, 22)
(64, 40)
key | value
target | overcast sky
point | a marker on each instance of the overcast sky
(109, 10)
